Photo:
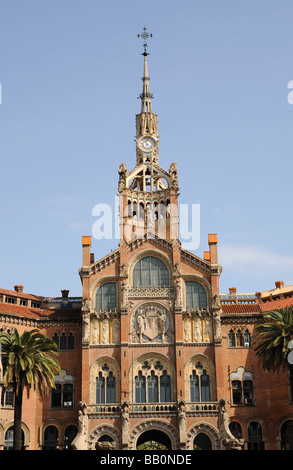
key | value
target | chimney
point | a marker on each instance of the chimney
(65, 294)
(279, 284)
(18, 288)
(232, 290)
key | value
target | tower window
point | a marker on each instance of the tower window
(196, 296)
(106, 297)
(150, 272)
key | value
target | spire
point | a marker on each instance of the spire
(145, 96)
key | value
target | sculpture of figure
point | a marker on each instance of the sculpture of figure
(123, 294)
(105, 330)
(177, 292)
(173, 173)
(187, 329)
(197, 330)
(140, 323)
(208, 329)
(96, 331)
(122, 177)
(217, 318)
(80, 441)
(162, 324)
(85, 328)
(115, 331)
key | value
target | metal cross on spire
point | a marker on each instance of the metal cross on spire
(145, 35)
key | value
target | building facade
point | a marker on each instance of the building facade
(152, 355)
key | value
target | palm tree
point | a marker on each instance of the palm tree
(27, 362)
(273, 338)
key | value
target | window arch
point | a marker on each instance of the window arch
(195, 295)
(105, 380)
(152, 379)
(199, 376)
(50, 438)
(255, 440)
(106, 297)
(150, 272)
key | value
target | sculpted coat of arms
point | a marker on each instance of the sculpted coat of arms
(151, 323)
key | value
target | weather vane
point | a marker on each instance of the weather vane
(145, 35)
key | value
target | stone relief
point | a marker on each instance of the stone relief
(105, 329)
(151, 323)
(198, 326)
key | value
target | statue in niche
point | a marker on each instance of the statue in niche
(177, 292)
(187, 330)
(197, 330)
(115, 331)
(208, 329)
(217, 318)
(182, 421)
(122, 177)
(123, 294)
(105, 330)
(85, 328)
(95, 331)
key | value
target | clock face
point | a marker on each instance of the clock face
(147, 144)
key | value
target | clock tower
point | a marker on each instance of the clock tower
(148, 194)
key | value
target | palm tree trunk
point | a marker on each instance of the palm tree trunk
(17, 441)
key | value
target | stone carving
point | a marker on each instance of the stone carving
(182, 421)
(123, 294)
(105, 331)
(125, 422)
(228, 440)
(122, 177)
(177, 292)
(115, 330)
(197, 326)
(85, 328)
(81, 440)
(173, 171)
(216, 304)
(151, 323)
(95, 331)
(187, 330)
(198, 330)
(208, 329)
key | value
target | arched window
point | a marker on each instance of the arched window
(105, 386)
(205, 386)
(50, 438)
(202, 442)
(231, 339)
(150, 272)
(153, 391)
(69, 436)
(287, 435)
(194, 387)
(100, 389)
(196, 296)
(111, 389)
(140, 391)
(165, 387)
(255, 441)
(235, 429)
(106, 297)
(199, 383)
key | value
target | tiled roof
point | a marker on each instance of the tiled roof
(22, 295)
(275, 304)
(241, 308)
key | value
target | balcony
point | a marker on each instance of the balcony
(138, 410)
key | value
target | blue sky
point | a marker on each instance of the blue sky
(71, 72)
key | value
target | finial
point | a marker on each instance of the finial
(145, 36)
